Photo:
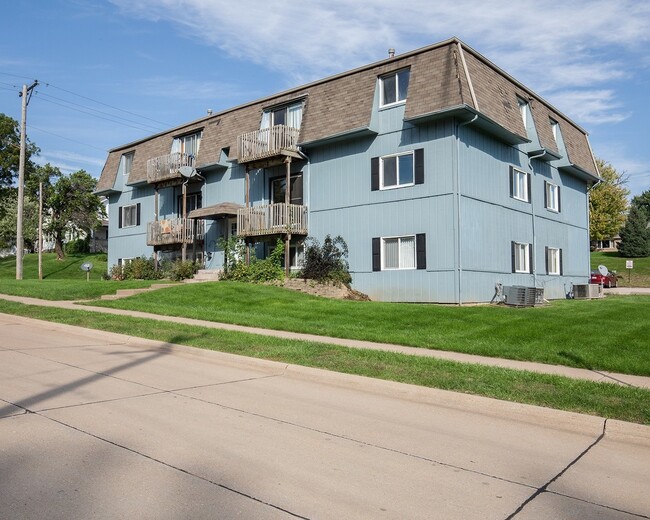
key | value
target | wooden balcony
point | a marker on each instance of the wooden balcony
(272, 219)
(277, 141)
(166, 167)
(174, 231)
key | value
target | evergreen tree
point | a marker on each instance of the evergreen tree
(635, 235)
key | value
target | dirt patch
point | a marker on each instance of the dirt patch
(326, 290)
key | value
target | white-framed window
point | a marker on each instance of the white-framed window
(129, 215)
(396, 171)
(394, 87)
(555, 127)
(553, 261)
(521, 257)
(519, 185)
(188, 147)
(398, 253)
(127, 163)
(523, 110)
(124, 261)
(552, 196)
(288, 115)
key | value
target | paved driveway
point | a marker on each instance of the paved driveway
(98, 425)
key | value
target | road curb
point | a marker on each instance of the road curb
(558, 419)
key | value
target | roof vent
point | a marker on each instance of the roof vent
(391, 53)
(209, 111)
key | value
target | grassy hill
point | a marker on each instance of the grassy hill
(53, 269)
(637, 277)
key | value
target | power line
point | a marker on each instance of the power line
(15, 75)
(166, 125)
(111, 118)
(67, 138)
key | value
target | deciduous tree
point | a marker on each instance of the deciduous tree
(72, 208)
(607, 203)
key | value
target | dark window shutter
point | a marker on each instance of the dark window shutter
(561, 267)
(530, 258)
(530, 186)
(137, 214)
(374, 173)
(545, 194)
(119, 217)
(546, 255)
(376, 254)
(512, 253)
(512, 181)
(421, 251)
(418, 161)
(559, 199)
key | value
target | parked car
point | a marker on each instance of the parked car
(606, 280)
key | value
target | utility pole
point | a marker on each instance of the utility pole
(20, 242)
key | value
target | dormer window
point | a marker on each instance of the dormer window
(523, 109)
(287, 115)
(394, 87)
(187, 145)
(555, 128)
(127, 163)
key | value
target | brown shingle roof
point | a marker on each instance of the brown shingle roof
(343, 103)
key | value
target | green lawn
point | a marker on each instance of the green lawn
(639, 276)
(602, 399)
(608, 334)
(62, 279)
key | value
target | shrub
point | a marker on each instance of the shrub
(78, 246)
(180, 270)
(257, 271)
(327, 262)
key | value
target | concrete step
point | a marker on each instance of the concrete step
(205, 275)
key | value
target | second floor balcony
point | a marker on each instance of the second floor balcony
(267, 143)
(272, 219)
(167, 167)
(175, 231)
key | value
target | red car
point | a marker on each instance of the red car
(608, 280)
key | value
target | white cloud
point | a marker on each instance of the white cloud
(550, 45)
(590, 106)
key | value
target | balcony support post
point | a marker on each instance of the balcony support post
(248, 200)
(155, 218)
(287, 201)
(183, 230)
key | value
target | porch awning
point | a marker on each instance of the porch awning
(223, 209)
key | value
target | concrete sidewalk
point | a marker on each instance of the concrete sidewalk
(575, 373)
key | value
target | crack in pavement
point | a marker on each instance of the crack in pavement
(544, 488)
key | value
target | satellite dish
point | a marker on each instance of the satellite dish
(603, 270)
(86, 266)
(187, 171)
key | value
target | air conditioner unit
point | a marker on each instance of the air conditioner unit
(587, 291)
(521, 296)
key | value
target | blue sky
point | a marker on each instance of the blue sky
(113, 71)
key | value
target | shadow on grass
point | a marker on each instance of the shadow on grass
(577, 360)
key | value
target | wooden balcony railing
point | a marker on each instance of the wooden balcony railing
(272, 219)
(167, 167)
(174, 231)
(268, 142)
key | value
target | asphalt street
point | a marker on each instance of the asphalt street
(100, 425)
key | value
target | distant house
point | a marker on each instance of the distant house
(444, 175)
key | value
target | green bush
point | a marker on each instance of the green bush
(77, 247)
(180, 270)
(326, 263)
(258, 271)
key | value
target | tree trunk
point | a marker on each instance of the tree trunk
(58, 248)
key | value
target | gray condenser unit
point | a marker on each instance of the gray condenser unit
(587, 291)
(521, 296)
